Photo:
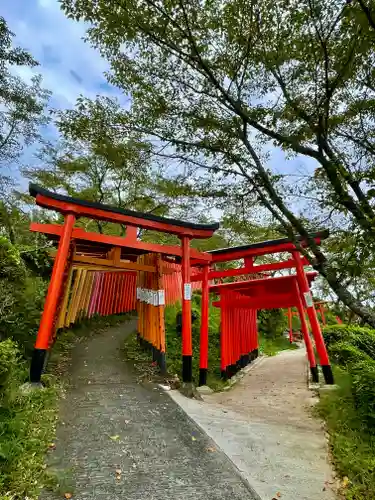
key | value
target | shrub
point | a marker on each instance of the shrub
(361, 337)
(353, 447)
(363, 387)
(11, 264)
(272, 323)
(345, 354)
(8, 362)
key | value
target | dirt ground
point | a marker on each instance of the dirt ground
(266, 427)
(278, 391)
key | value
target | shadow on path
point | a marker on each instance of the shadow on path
(110, 422)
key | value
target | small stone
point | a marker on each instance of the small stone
(204, 389)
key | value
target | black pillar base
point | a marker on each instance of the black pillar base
(155, 354)
(314, 373)
(245, 360)
(37, 365)
(202, 376)
(187, 369)
(162, 363)
(231, 370)
(224, 375)
(328, 375)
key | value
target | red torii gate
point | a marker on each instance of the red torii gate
(268, 293)
(249, 253)
(129, 248)
(125, 251)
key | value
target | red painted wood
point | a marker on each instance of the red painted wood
(187, 345)
(255, 252)
(203, 358)
(47, 320)
(96, 213)
(304, 288)
(274, 266)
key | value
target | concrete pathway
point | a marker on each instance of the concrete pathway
(122, 440)
(264, 425)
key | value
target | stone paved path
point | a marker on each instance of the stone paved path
(265, 425)
(109, 422)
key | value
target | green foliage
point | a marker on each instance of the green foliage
(363, 387)
(21, 298)
(350, 411)
(270, 346)
(11, 265)
(27, 420)
(360, 337)
(22, 105)
(8, 361)
(272, 323)
(353, 447)
(346, 354)
(219, 84)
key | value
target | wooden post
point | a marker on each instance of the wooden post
(187, 347)
(306, 337)
(290, 323)
(160, 311)
(322, 315)
(315, 327)
(203, 353)
(50, 305)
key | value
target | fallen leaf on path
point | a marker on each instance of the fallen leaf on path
(118, 471)
(51, 446)
(211, 449)
(193, 438)
(114, 438)
(127, 422)
(68, 495)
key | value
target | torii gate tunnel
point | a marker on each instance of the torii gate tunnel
(105, 267)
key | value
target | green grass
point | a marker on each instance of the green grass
(353, 448)
(28, 419)
(27, 426)
(271, 346)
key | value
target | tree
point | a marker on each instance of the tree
(220, 83)
(22, 105)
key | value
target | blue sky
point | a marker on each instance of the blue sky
(69, 66)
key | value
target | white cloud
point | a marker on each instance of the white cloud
(57, 43)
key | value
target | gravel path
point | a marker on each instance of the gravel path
(123, 440)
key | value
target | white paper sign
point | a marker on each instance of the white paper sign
(187, 291)
(161, 297)
(308, 299)
(138, 293)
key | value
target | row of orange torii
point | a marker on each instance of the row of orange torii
(152, 266)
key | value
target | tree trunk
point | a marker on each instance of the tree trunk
(326, 270)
